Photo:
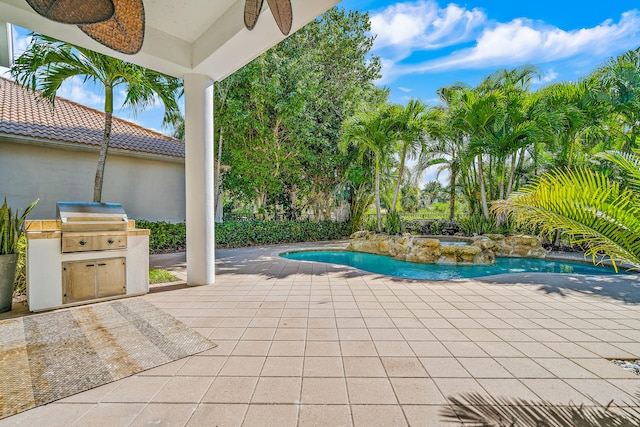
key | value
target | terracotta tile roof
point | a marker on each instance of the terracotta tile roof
(23, 113)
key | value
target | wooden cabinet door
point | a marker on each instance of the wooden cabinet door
(111, 277)
(79, 281)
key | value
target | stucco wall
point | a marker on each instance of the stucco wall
(146, 188)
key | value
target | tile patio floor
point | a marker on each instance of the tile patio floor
(317, 344)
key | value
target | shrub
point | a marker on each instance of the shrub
(20, 284)
(393, 223)
(477, 224)
(167, 237)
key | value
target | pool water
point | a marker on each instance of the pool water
(409, 270)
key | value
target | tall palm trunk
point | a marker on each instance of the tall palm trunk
(483, 192)
(378, 208)
(452, 194)
(403, 157)
(512, 174)
(104, 148)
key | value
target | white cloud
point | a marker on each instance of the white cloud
(547, 77)
(523, 40)
(424, 25)
(20, 42)
(405, 89)
(77, 90)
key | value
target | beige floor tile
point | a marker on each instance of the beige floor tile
(499, 349)
(287, 348)
(464, 349)
(379, 323)
(52, 415)
(347, 323)
(323, 348)
(602, 392)
(403, 367)
(94, 395)
(202, 366)
(277, 390)
(282, 367)
(227, 333)
(259, 334)
(271, 416)
(535, 349)
(231, 390)
(117, 414)
(484, 367)
(325, 415)
(363, 367)
(429, 349)
(508, 388)
(605, 369)
(564, 368)
(354, 334)
(378, 415)
(224, 415)
(358, 348)
(169, 369)
(289, 321)
(370, 391)
(444, 367)
(264, 322)
(183, 390)
(451, 387)
(322, 334)
(324, 391)
(523, 367)
(555, 391)
(242, 366)
(386, 335)
(323, 367)
(425, 415)
(160, 414)
(322, 323)
(223, 348)
(252, 348)
(394, 349)
(290, 334)
(417, 391)
(417, 334)
(136, 389)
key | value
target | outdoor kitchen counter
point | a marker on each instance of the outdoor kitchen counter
(47, 286)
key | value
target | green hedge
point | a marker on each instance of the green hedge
(167, 237)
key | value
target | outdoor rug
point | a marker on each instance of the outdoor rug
(50, 356)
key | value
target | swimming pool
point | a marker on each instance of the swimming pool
(408, 270)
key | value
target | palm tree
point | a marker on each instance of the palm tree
(592, 208)
(414, 123)
(619, 86)
(371, 132)
(47, 63)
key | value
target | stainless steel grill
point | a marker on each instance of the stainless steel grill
(88, 226)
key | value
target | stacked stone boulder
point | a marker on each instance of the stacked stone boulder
(432, 250)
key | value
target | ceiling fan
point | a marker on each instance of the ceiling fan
(119, 24)
(281, 10)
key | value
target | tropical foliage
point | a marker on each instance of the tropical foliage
(597, 212)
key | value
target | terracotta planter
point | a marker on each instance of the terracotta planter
(7, 277)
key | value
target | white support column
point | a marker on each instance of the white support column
(198, 90)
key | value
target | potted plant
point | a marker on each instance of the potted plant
(11, 228)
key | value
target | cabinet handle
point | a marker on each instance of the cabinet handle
(83, 242)
(110, 241)
(91, 265)
(101, 265)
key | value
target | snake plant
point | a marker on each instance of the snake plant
(11, 227)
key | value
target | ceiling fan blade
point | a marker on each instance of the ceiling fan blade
(282, 13)
(124, 32)
(252, 12)
(74, 11)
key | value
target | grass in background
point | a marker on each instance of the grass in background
(160, 276)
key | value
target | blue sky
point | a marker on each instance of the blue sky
(427, 44)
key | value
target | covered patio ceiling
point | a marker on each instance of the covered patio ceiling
(183, 36)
